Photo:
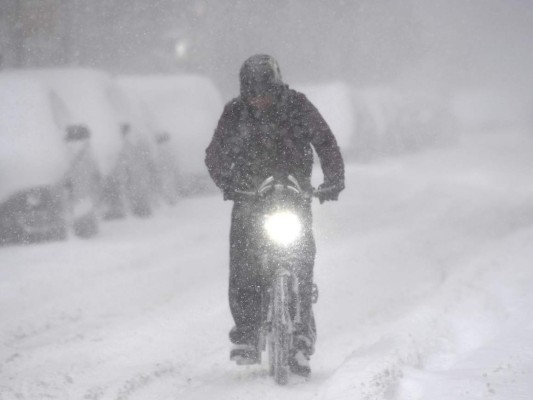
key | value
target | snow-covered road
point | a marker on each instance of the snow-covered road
(425, 275)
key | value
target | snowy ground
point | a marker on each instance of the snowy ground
(425, 274)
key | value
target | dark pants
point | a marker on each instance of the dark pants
(245, 275)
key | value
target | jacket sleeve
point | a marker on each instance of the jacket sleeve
(218, 157)
(324, 144)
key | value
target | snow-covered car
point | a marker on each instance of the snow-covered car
(166, 169)
(131, 179)
(376, 109)
(184, 111)
(32, 161)
(334, 101)
(49, 177)
(152, 149)
(96, 102)
(423, 121)
(394, 121)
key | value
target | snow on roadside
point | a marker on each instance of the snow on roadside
(486, 350)
(471, 340)
(424, 275)
(467, 335)
(102, 318)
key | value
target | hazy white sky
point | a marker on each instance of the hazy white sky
(362, 41)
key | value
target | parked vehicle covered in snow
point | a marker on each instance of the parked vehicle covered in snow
(334, 101)
(132, 176)
(185, 111)
(394, 121)
(32, 162)
(122, 159)
(166, 169)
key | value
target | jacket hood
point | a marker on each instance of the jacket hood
(260, 74)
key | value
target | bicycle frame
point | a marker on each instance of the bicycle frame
(280, 310)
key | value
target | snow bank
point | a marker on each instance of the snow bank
(32, 121)
(458, 260)
(424, 270)
(186, 107)
(334, 102)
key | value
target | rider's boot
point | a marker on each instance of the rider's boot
(299, 364)
(299, 360)
(244, 350)
(244, 354)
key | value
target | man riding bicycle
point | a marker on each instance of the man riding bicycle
(269, 130)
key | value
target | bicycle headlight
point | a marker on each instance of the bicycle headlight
(283, 227)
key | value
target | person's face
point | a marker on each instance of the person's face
(262, 102)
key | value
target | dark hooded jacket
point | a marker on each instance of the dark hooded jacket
(249, 146)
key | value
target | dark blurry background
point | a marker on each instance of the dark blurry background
(445, 43)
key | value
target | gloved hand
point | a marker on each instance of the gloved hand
(329, 191)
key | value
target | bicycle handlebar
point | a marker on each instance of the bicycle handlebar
(313, 193)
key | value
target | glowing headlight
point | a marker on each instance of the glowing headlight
(283, 227)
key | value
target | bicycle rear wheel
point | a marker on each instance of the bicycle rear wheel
(280, 335)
